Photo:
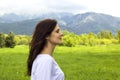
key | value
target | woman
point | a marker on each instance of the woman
(41, 65)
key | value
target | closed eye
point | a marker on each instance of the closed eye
(58, 30)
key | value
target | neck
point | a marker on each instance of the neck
(48, 49)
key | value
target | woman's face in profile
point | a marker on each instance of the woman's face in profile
(56, 36)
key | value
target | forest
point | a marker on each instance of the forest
(69, 39)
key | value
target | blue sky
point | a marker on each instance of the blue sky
(110, 7)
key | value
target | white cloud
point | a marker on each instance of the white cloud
(75, 6)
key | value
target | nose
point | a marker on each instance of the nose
(61, 34)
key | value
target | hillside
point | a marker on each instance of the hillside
(78, 23)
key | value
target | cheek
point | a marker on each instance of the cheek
(55, 40)
(52, 38)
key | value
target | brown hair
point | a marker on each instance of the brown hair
(42, 30)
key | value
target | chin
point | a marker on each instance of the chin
(59, 43)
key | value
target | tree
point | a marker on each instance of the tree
(9, 41)
(91, 38)
(118, 35)
(70, 40)
(2, 40)
(105, 35)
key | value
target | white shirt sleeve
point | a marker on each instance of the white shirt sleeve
(44, 70)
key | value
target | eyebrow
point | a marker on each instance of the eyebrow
(57, 29)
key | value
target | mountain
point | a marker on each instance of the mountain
(77, 23)
(93, 22)
(9, 18)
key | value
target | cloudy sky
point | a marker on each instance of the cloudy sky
(110, 7)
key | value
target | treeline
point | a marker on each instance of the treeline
(11, 40)
(7, 40)
(69, 39)
(91, 39)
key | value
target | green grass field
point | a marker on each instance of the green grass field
(78, 63)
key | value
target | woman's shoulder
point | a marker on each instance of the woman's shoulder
(44, 58)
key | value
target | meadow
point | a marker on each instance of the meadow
(101, 62)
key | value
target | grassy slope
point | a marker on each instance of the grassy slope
(78, 63)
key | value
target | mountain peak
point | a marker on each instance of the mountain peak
(79, 23)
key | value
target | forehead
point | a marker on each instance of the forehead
(56, 27)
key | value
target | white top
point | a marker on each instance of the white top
(45, 68)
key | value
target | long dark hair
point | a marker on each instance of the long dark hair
(42, 30)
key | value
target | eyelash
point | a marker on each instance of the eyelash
(57, 31)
